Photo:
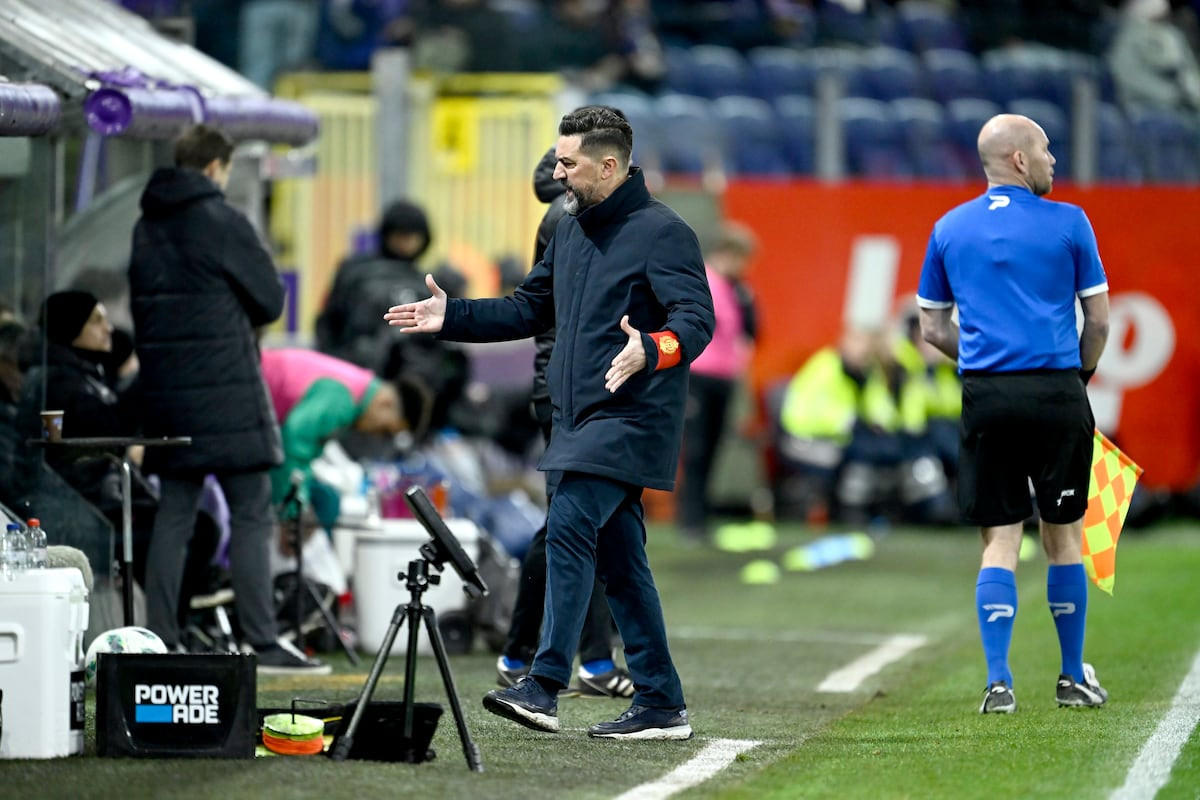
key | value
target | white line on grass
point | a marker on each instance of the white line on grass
(716, 756)
(1152, 769)
(849, 677)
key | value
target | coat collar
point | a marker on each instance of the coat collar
(625, 199)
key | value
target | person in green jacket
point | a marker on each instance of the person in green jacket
(316, 397)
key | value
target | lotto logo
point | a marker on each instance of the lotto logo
(170, 703)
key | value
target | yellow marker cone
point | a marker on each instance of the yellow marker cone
(760, 572)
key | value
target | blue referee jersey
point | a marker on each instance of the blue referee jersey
(1014, 263)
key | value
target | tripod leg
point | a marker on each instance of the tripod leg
(330, 622)
(470, 749)
(341, 747)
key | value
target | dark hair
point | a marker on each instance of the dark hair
(200, 145)
(603, 130)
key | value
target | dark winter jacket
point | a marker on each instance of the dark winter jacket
(364, 288)
(75, 383)
(630, 254)
(201, 282)
(549, 191)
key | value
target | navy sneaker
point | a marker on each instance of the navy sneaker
(527, 703)
(640, 722)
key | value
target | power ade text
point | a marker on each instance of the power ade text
(193, 704)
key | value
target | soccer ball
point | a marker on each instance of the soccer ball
(130, 639)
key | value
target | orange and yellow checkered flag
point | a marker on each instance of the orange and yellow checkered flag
(1113, 477)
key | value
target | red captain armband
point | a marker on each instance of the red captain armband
(668, 349)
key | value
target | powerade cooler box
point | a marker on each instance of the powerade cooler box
(175, 705)
(43, 616)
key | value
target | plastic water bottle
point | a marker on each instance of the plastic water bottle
(37, 544)
(12, 551)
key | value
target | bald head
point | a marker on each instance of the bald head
(1014, 151)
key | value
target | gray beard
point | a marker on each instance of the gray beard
(571, 204)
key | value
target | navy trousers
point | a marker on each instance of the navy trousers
(596, 526)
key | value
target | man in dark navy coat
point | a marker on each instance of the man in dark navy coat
(623, 281)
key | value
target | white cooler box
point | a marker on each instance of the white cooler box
(379, 557)
(43, 615)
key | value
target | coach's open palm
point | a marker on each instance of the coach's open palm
(426, 316)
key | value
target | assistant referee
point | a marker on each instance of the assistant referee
(1014, 263)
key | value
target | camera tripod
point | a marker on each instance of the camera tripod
(418, 578)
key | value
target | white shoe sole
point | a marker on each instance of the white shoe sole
(660, 734)
(533, 720)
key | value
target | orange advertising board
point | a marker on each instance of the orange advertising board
(854, 251)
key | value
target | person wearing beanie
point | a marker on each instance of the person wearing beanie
(78, 345)
(365, 286)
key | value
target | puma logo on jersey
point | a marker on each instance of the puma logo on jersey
(998, 201)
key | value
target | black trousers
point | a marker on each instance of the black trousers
(707, 406)
(524, 632)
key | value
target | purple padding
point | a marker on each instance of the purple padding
(271, 120)
(28, 109)
(142, 113)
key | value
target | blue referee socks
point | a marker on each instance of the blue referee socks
(996, 604)
(1067, 594)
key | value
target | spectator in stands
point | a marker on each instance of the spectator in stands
(1068, 24)
(597, 46)
(741, 24)
(598, 675)
(365, 286)
(463, 36)
(276, 36)
(633, 29)
(1151, 61)
(201, 283)
(349, 31)
(716, 373)
(217, 30)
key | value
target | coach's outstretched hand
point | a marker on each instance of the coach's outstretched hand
(426, 316)
(630, 361)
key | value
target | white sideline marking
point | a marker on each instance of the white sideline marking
(716, 756)
(849, 677)
(1152, 768)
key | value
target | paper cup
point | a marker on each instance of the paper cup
(52, 425)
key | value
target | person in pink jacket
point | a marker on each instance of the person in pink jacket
(316, 397)
(715, 373)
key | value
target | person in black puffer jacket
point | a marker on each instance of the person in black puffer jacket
(201, 283)
(365, 286)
